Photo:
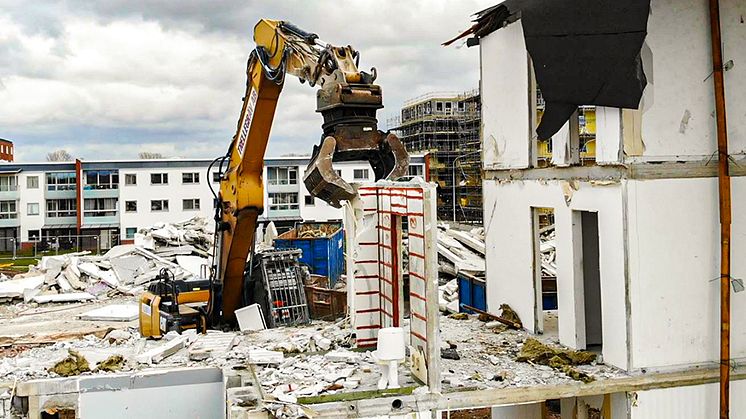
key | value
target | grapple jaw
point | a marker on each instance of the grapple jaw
(351, 134)
(386, 154)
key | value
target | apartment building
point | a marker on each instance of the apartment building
(637, 223)
(101, 203)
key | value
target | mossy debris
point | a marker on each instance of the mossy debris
(560, 359)
(111, 364)
(73, 364)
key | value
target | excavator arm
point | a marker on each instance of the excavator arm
(348, 101)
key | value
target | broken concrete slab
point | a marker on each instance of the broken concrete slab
(63, 298)
(159, 353)
(14, 288)
(114, 313)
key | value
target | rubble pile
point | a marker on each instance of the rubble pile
(448, 297)
(547, 245)
(460, 251)
(492, 355)
(125, 269)
(193, 236)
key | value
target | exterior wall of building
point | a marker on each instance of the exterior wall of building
(6, 150)
(174, 192)
(674, 255)
(28, 197)
(658, 223)
(694, 402)
(510, 257)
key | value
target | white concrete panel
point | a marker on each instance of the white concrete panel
(520, 411)
(509, 256)
(204, 401)
(608, 135)
(695, 402)
(505, 104)
(680, 120)
(674, 254)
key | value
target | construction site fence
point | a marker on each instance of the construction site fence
(12, 248)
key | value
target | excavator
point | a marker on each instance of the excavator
(347, 100)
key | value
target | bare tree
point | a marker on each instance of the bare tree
(148, 155)
(59, 155)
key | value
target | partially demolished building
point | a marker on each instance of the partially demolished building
(637, 233)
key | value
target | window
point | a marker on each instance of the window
(282, 176)
(8, 183)
(130, 206)
(190, 178)
(8, 210)
(283, 201)
(33, 235)
(190, 204)
(130, 232)
(100, 207)
(61, 181)
(309, 200)
(416, 170)
(32, 182)
(159, 178)
(61, 208)
(338, 172)
(216, 176)
(130, 179)
(32, 208)
(159, 205)
(360, 174)
(439, 106)
(101, 179)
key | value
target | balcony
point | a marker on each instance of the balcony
(9, 219)
(9, 192)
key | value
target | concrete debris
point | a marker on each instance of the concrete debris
(448, 297)
(547, 248)
(113, 312)
(125, 269)
(460, 251)
(161, 352)
(194, 235)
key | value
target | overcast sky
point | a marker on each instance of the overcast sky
(108, 79)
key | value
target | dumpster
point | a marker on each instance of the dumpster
(322, 245)
(471, 292)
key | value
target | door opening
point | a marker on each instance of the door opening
(589, 266)
(545, 271)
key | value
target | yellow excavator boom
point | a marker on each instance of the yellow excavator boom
(348, 101)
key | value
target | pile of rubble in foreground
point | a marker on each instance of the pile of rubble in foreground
(125, 269)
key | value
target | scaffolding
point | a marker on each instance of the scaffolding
(446, 126)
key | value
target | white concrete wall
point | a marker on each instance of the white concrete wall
(175, 191)
(679, 38)
(26, 196)
(505, 99)
(673, 256)
(509, 240)
(520, 411)
(695, 402)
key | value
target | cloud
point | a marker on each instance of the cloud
(110, 79)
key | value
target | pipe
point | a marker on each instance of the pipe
(725, 208)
